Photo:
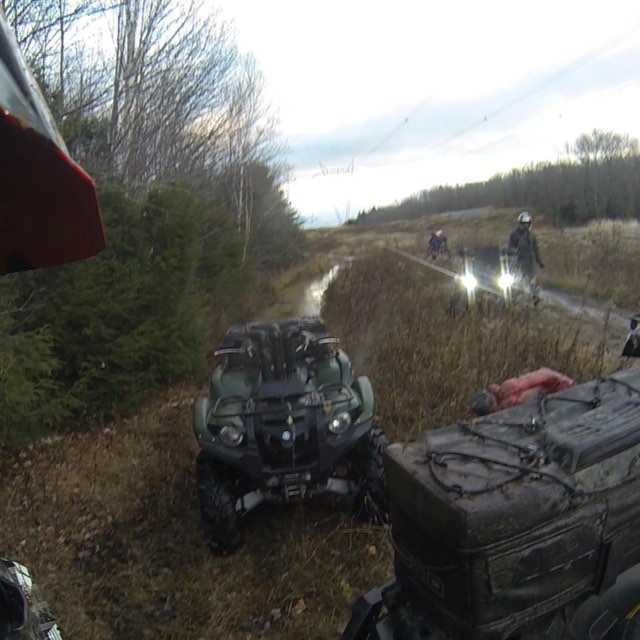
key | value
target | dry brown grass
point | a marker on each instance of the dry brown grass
(352, 240)
(108, 522)
(600, 261)
(425, 365)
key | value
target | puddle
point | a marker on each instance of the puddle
(303, 298)
(311, 301)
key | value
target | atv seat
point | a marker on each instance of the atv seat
(281, 349)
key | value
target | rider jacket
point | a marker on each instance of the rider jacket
(523, 245)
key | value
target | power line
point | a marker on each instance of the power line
(392, 133)
(549, 80)
(546, 82)
(350, 168)
(512, 135)
(325, 171)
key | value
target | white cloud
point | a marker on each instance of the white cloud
(344, 75)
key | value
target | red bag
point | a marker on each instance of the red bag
(525, 388)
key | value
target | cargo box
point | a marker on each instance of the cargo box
(498, 520)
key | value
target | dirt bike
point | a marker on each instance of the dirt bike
(435, 250)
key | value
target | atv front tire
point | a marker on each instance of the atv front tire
(371, 502)
(217, 496)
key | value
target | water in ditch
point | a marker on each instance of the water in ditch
(302, 298)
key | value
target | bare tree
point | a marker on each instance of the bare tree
(33, 22)
(601, 146)
(42, 28)
(172, 99)
(606, 187)
(174, 72)
(250, 143)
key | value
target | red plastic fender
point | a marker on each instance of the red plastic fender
(49, 210)
(525, 388)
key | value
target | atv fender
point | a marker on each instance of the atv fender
(362, 386)
(200, 418)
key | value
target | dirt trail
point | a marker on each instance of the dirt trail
(590, 310)
(302, 298)
(597, 317)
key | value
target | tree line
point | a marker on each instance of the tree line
(598, 178)
(155, 101)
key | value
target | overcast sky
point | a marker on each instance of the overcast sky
(378, 100)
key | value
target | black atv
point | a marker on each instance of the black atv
(522, 524)
(485, 278)
(285, 419)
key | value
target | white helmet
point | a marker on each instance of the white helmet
(525, 217)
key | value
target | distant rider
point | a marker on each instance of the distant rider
(524, 254)
(437, 244)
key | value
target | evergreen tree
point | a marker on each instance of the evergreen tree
(128, 320)
(27, 367)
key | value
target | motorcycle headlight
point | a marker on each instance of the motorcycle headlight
(230, 435)
(469, 281)
(340, 423)
(505, 281)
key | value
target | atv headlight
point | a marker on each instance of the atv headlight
(469, 281)
(340, 423)
(505, 281)
(230, 435)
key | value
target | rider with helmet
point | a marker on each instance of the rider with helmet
(437, 244)
(523, 252)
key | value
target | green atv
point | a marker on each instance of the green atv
(285, 419)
